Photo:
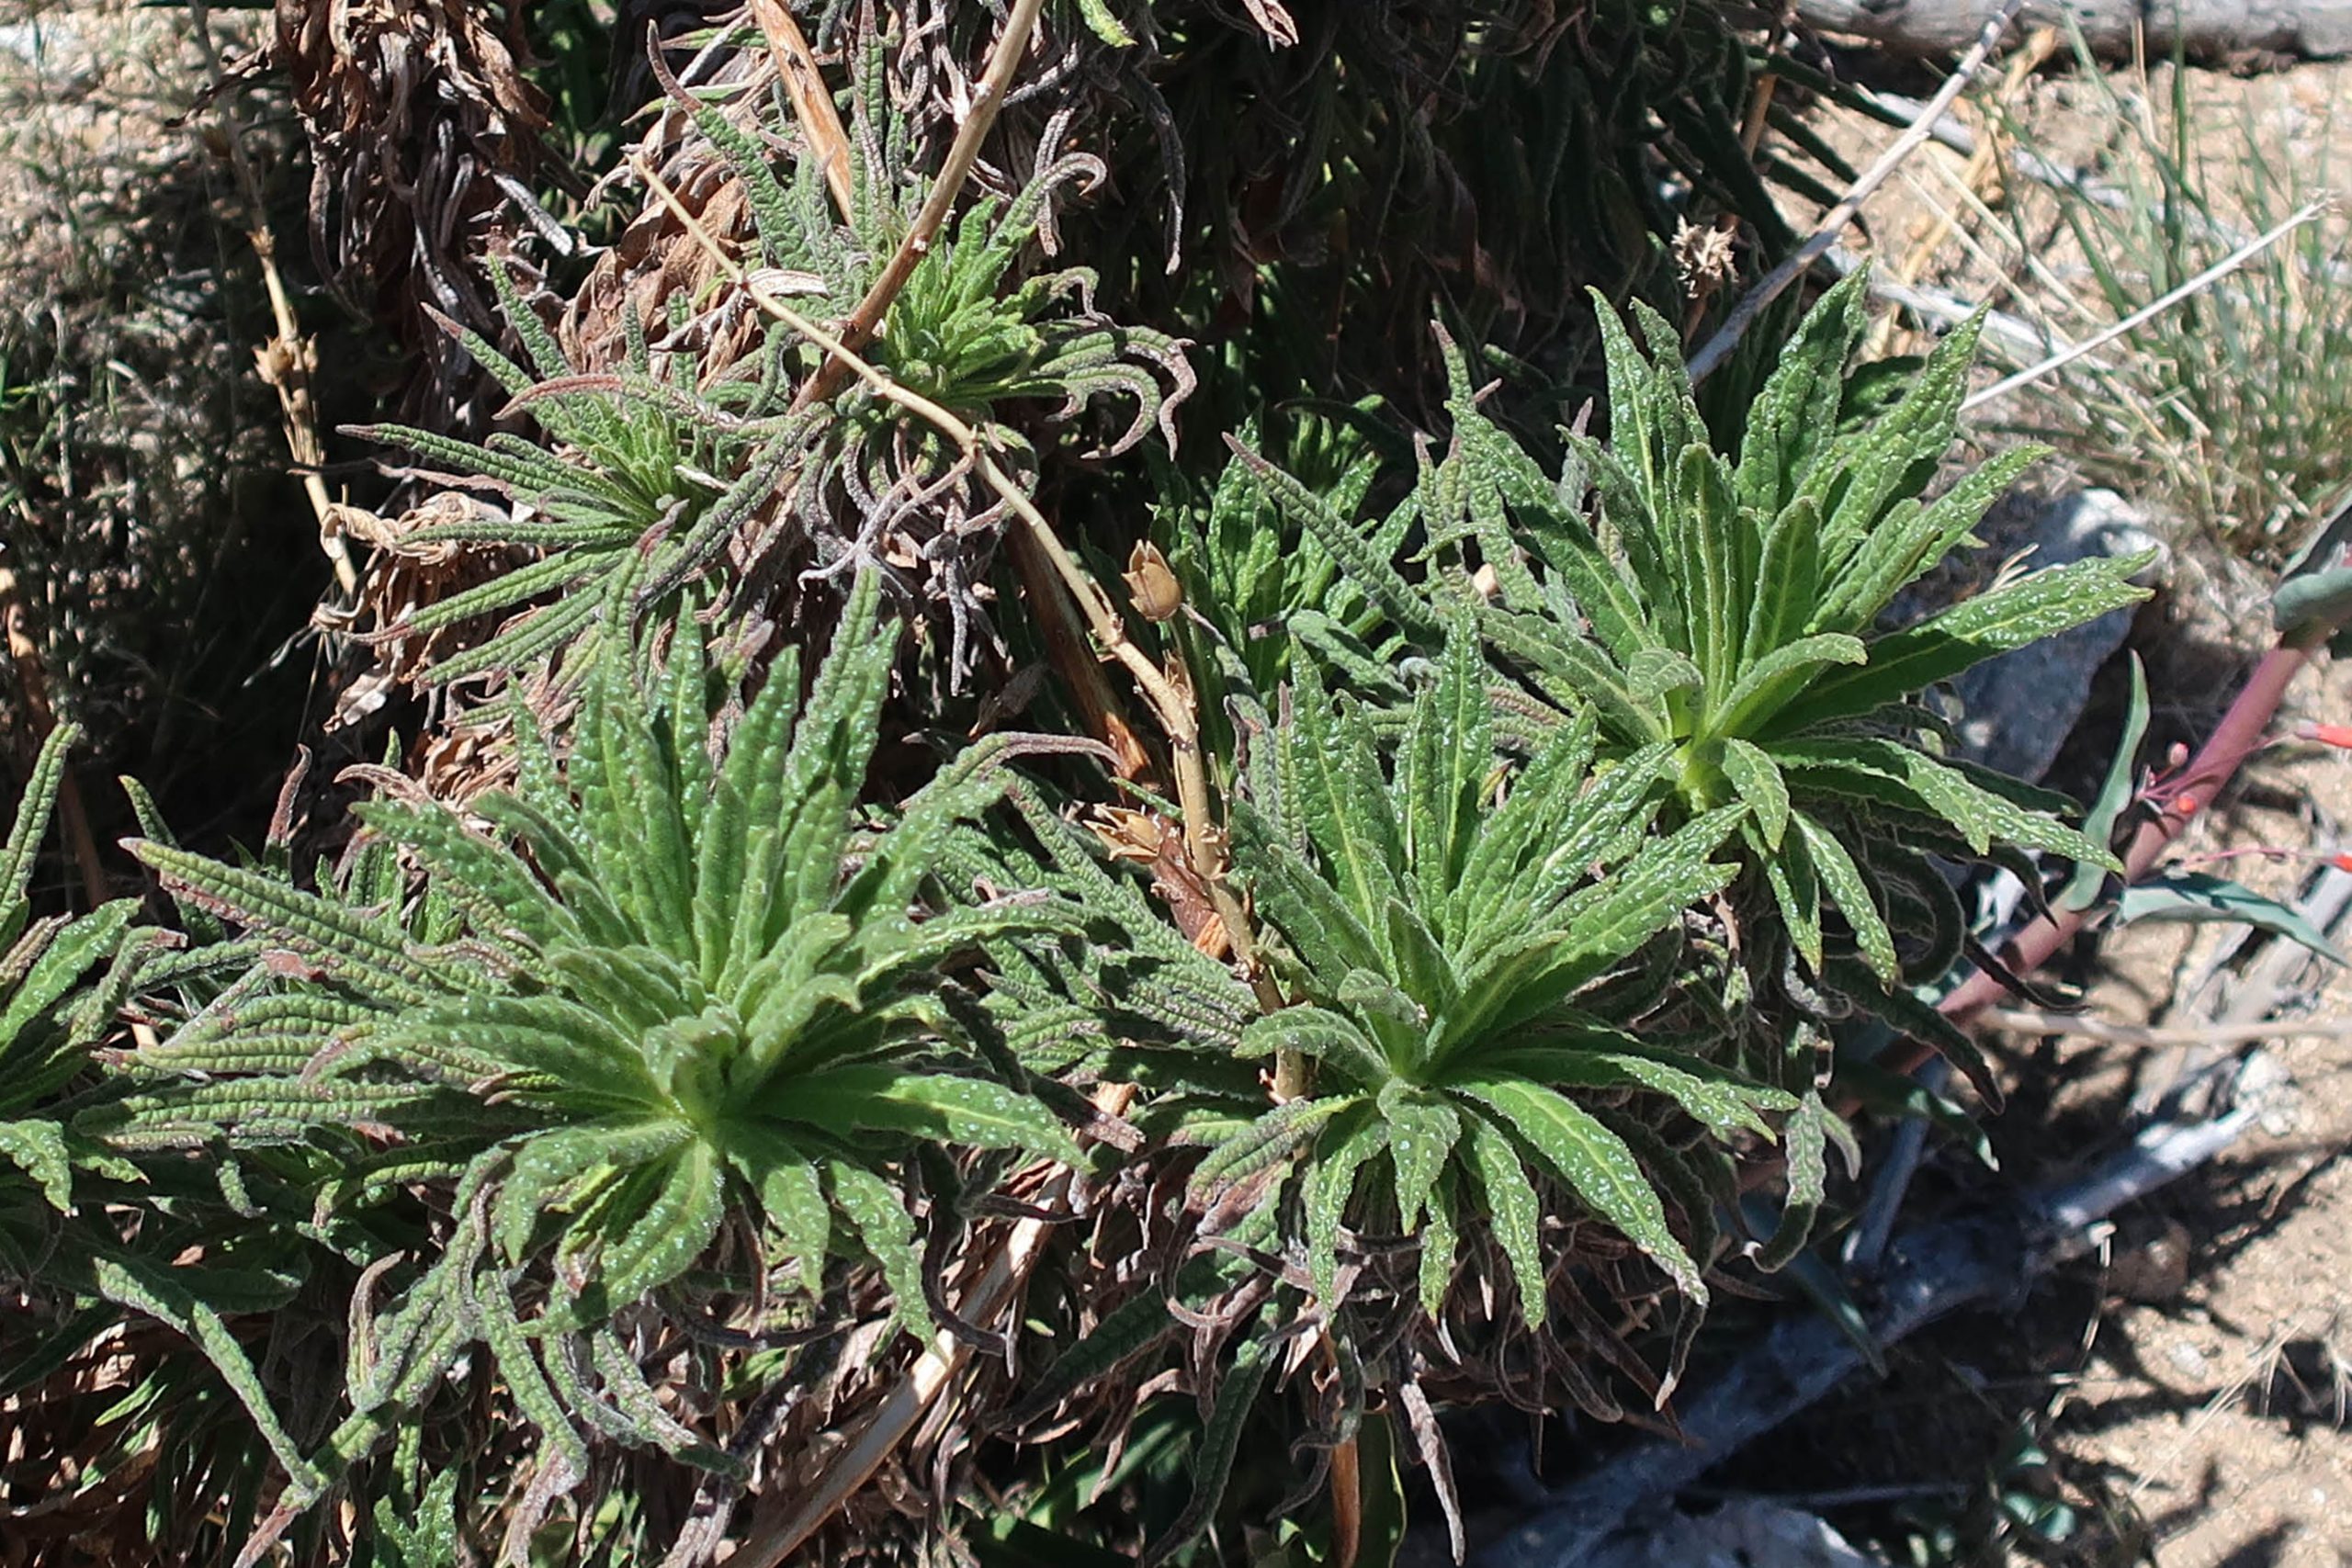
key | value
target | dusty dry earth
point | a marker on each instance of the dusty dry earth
(2214, 1396)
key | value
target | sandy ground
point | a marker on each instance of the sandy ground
(2213, 1395)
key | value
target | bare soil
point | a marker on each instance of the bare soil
(2214, 1396)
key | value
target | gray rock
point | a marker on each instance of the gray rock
(1745, 1532)
(52, 48)
(2015, 710)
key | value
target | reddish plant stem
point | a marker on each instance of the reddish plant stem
(2241, 731)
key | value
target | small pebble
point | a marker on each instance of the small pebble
(2154, 1269)
(2265, 1084)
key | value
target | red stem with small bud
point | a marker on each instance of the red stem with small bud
(2242, 732)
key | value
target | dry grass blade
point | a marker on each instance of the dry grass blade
(812, 102)
(2221, 1033)
(2150, 311)
(1774, 284)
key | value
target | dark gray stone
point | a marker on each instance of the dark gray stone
(2015, 710)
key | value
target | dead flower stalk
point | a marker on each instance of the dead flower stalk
(988, 97)
(1170, 694)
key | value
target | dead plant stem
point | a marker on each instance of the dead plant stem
(813, 104)
(2152, 308)
(1168, 691)
(857, 330)
(915, 1393)
(1984, 166)
(286, 360)
(1774, 284)
(2089, 1028)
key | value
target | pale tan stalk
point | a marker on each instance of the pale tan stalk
(796, 63)
(1168, 691)
(996, 80)
(287, 359)
(1774, 284)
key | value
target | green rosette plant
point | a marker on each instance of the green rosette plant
(684, 986)
(1445, 922)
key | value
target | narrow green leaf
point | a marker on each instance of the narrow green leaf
(1795, 416)
(1514, 1210)
(338, 939)
(1888, 1094)
(37, 1148)
(2083, 889)
(1924, 1023)
(1788, 580)
(33, 809)
(1805, 1141)
(170, 1301)
(1853, 897)
(1756, 780)
(675, 1230)
(1350, 1141)
(1765, 686)
(1595, 1163)
(1327, 1036)
(879, 1217)
(968, 1112)
(1271, 1138)
(2040, 606)
(1422, 1133)
(1368, 570)
(1720, 1100)
(1237, 1401)
(2202, 898)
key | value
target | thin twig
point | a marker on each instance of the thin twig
(1069, 655)
(1774, 284)
(858, 329)
(2154, 308)
(2083, 183)
(2021, 1021)
(1981, 165)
